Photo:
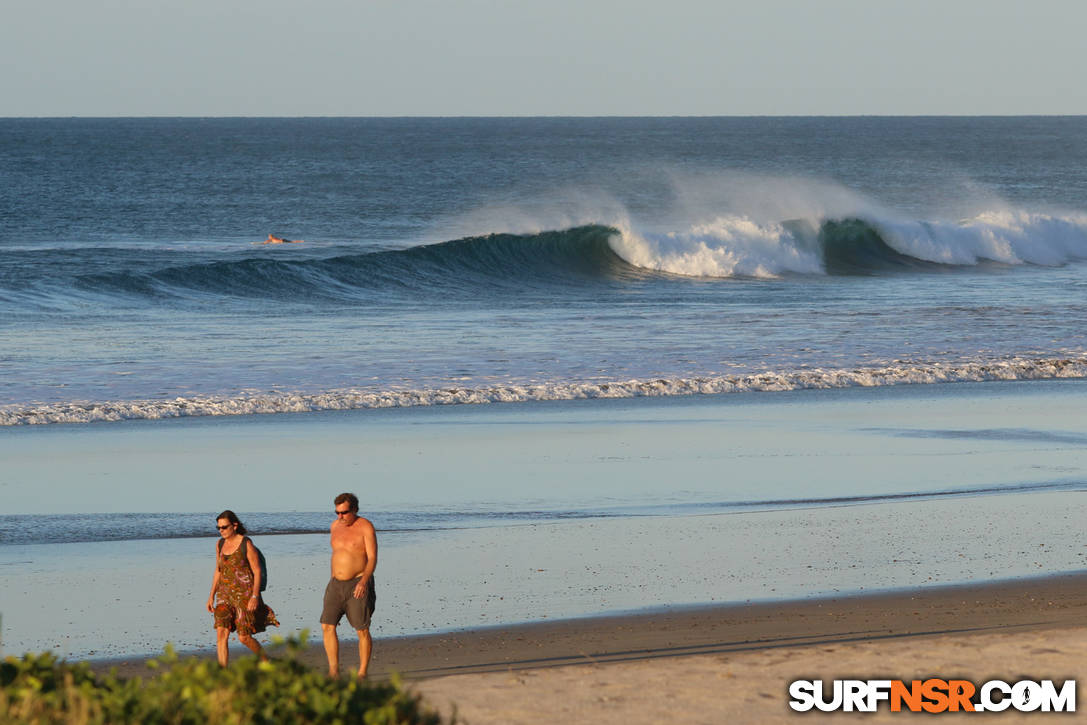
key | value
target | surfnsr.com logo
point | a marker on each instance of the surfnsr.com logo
(932, 695)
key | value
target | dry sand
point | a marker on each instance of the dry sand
(750, 685)
(734, 663)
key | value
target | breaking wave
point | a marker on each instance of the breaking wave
(902, 373)
(738, 246)
(727, 246)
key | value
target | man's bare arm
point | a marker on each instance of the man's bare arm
(369, 541)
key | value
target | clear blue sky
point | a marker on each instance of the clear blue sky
(541, 57)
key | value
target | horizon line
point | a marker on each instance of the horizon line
(547, 116)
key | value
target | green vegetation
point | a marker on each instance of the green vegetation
(41, 689)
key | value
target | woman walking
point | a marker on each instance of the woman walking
(236, 585)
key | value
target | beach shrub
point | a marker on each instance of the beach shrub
(40, 689)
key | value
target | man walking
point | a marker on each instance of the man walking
(351, 589)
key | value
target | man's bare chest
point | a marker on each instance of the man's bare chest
(348, 541)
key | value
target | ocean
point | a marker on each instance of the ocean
(481, 321)
(479, 260)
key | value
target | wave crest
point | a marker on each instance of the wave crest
(1004, 236)
(738, 246)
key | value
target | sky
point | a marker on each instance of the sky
(541, 57)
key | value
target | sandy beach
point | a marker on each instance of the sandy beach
(749, 685)
(734, 663)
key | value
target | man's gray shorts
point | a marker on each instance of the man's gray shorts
(340, 599)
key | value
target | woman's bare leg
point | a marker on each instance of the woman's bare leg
(222, 649)
(253, 645)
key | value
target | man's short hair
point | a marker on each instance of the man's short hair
(350, 499)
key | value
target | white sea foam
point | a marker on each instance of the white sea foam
(1008, 236)
(738, 245)
(727, 246)
(899, 373)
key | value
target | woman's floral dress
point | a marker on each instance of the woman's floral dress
(232, 596)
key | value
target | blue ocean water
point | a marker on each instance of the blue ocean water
(484, 260)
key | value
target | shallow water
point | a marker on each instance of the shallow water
(451, 467)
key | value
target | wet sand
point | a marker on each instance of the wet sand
(702, 664)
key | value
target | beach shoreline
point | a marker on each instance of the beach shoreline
(1018, 605)
(733, 663)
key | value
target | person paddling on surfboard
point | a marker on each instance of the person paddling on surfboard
(273, 239)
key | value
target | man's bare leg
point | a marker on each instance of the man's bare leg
(332, 649)
(222, 645)
(366, 646)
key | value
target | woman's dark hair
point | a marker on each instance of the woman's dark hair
(232, 518)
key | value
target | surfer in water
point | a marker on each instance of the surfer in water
(273, 239)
